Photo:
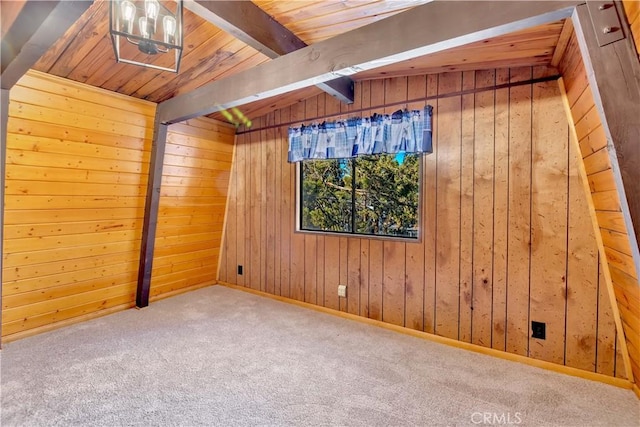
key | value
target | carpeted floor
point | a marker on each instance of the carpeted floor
(219, 356)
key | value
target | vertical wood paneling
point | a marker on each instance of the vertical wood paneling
(500, 212)
(548, 221)
(76, 173)
(429, 214)
(414, 251)
(519, 217)
(499, 155)
(287, 209)
(448, 207)
(582, 275)
(297, 239)
(483, 207)
(466, 208)
(270, 207)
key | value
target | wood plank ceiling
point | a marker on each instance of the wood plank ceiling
(84, 53)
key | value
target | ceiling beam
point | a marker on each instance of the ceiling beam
(36, 28)
(247, 22)
(422, 30)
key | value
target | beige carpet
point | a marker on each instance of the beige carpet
(219, 356)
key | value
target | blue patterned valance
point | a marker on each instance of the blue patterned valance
(403, 131)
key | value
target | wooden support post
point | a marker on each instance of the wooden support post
(613, 71)
(151, 213)
(4, 119)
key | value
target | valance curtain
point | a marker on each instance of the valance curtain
(401, 132)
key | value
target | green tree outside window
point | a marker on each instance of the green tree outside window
(369, 195)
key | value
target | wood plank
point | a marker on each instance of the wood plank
(429, 223)
(549, 221)
(616, 240)
(593, 142)
(483, 209)
(331, 272)
(467, 208)
(310, 293)
(621, 261)
(583, 105)
(297, 239)
(414, 286)
(601, 181)
(582, 275)
(606, 338)
(80, 121)
(500, 212)
(121, 275)
(376, 265)
(68, 313)
(393, 286)
(278, 159)
(606, 201)
(241, 208)
(343, 270)
(364, 277)
(519, 237)
(39, 98)
(597, 162)
(448, 208)
(270, 207)
(287, 207)
(414, 274)
(353, 275)
(255, 211)
(612, 221)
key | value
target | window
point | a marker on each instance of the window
(382, 200)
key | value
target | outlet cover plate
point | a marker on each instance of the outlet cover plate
(539, 330)
(342, 291)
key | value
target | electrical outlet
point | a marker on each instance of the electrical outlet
(240, 270)
(342, 291)
(539, 330)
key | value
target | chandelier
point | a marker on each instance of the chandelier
(153, 27)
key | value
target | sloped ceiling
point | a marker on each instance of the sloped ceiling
(84, 53)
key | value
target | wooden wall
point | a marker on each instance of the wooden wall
(506, 235)
(193, 196)
(632, 10)
(597, 163)
(76, 175)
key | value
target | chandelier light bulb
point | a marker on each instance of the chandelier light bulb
(127, 14)
(151, 7)
(169, 27)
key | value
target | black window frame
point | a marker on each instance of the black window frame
(300, 211)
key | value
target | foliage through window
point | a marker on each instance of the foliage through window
(369, 195)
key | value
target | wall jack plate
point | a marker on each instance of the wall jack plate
(342, 291)
(539, 330)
